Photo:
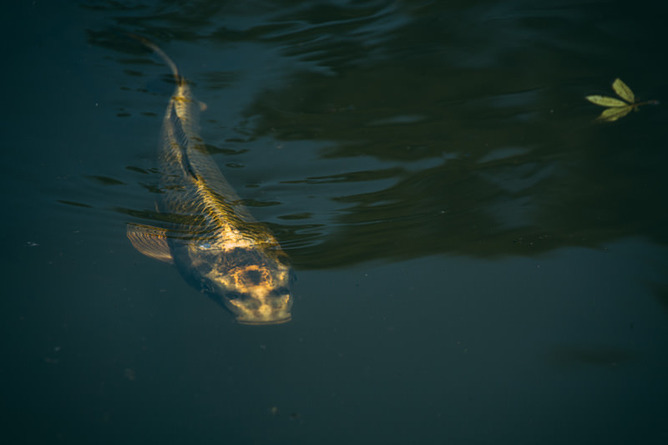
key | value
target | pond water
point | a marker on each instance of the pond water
(478, 259)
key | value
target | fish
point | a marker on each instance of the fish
(207, 233)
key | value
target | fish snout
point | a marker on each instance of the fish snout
(261, 309)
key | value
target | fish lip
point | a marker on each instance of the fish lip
(265, 322)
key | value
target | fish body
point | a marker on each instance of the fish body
(211, 237)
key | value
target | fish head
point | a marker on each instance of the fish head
(252, 283)
(259, 293)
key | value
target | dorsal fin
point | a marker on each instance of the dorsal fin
(181, 138)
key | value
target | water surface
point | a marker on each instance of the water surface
(478, 260)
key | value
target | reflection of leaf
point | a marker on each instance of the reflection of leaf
(606, 101)
(623, 91)
(614, 113)
(617, 108)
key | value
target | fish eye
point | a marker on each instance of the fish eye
(206, 286)
(280, 292)
(233, 295)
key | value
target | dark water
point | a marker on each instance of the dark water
(478, 261)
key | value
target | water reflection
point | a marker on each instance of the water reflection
(396, 130)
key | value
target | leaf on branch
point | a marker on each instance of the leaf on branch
(623, 91)
(606, 101)
(614, 113)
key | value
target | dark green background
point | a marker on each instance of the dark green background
(478, 261)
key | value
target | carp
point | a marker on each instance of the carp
(209, 235)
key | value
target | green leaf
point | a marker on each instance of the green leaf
(623, 90)
(616, 108)
(606, 101)
(612, 114)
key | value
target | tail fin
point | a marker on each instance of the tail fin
(155, 48)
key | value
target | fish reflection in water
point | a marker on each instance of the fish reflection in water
(213, 240)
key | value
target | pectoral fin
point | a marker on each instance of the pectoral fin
(151, 241)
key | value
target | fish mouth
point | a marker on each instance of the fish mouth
(264, 322)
